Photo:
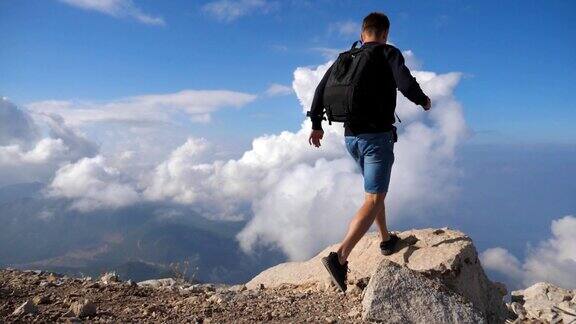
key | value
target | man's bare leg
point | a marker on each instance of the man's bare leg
(360, 224)
(381, 223)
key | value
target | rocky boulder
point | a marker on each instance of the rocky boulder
(445, 254)
(544, 302)
(396, 294)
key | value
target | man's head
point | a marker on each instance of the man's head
(375, 28)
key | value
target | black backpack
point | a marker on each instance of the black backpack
(351, 90)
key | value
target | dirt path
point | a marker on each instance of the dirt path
(52, 296)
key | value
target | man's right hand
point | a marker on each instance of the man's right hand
(427, 105)
(315, 137)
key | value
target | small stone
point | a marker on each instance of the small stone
(69, 313)
(38, 300)
(51, 277)
(329, 286)
(164, 283)
(73, 319)
(46, 284)
(83, 308)
(109, 278)
(330, 320)
(93, 285)
(237, 288)
(354, 313)
(153, 310)
(354, 290)
(518, 309)
(362, 282)
(27, 307)
(131, 283)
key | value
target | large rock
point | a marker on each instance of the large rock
(545, 302)
(445, 254)
(27, 307)
(158, 283)
(83, 308)
(396, 294)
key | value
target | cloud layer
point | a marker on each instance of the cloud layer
(301, 198)
(230, 10)
(27, 154)
(345, 28)
(552, 260)
(92, 185)
(117, 8)
(315, 192)
(146, 109)
(296, 197)
(276, 89)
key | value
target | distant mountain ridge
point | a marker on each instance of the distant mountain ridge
(139, 241)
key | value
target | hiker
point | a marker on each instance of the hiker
(359, 89)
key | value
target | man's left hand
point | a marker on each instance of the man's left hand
(427, 105)
(315, 137)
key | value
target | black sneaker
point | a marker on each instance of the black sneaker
(338, 272)
(387, 247)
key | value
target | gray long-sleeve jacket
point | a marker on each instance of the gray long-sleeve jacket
(400, 79)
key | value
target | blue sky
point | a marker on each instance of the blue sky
(518, 57)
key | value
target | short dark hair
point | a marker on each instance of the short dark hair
(376, 23)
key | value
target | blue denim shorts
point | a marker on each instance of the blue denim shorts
(374, 154)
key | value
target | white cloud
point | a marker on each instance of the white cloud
(25, 155)
(146, 109)
(117, 8)
(411, 61)
(16, 127)
(276, 89)
(93, 185)
(45, 150)
(345, 28)
(324, 193)
(78, 145)
(301, 197)
(227, 189)
(295, 196)
(501, 260)
(148, 126)
(328, 52)
(553, 260)
(177, 177)
(230, 10)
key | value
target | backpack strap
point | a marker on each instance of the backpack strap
(354, 44)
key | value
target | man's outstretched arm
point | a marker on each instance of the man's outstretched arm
(405, 82)
(317, 111)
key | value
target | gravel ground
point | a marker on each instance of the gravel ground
(49, 297)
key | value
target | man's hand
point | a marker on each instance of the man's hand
(315, 137)
(427, 105)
